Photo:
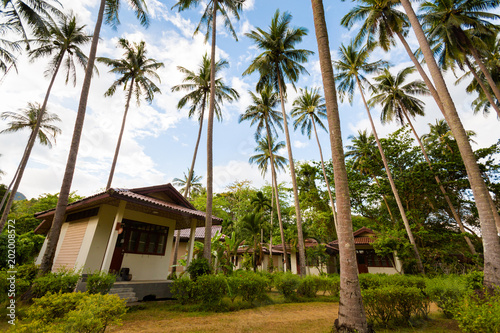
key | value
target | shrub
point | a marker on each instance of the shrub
(479, 314)
(474, 280)
(62, 281)
(446, 292)
(287, 286)
(24, 276)
(334, 285)
(370, 281)
(210, 289)
(184, 290)
(198, 267)
(100, 282)
(392, 302)
(308, 286)
(252, 287)
(73, 312)
(233, 286)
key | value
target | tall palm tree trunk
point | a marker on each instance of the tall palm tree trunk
(271, 231)
(491, 242)
(441, 187)
(421, 71)
(276, 194)
(351, 316)
(324, 175)
(6, 195)
(300, 237)
(483, 86)
(393, 185)
(29, 146)
(118, 144)
(188, 182)
(385, 198)
(210, 127)
(191, 169)
(62, 202)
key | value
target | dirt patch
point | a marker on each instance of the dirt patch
(289, 318)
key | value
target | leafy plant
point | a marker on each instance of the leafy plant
(100, 282)
(61, 281)
(479, 312)
(184, 290)
(198, 267)
(287, 286)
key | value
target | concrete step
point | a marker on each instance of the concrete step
(118, 290)
(126, 295)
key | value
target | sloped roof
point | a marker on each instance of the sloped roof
(199, 232)
(139, 199)
(358, 239)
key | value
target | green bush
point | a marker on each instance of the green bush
(479, 313)
(253, 287)
(287, 286)
(446, 292)
(474, 280)
(390, 303)
(210, 289)
(100, 282)
(308, 286)
(233, 285)
(54, 282)
(334, 285)
(24, 276)
(73, 312)
(198, 267)
(183, 289)
(370, 281)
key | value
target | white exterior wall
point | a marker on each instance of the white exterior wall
(382, 270)
(86, 244)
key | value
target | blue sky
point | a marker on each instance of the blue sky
(159, 140)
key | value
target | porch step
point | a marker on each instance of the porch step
(127, 294)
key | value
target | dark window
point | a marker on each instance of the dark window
(144, 238)
(373, 260)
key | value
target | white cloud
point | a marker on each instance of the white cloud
(300, 144)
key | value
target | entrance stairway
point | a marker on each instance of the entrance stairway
(125, 293)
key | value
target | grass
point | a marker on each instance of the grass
(286, 317)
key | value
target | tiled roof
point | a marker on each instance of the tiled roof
(199, 233)
(161, 203)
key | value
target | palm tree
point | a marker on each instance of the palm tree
(309, 109)
(63, 41)
(351, 315)
(351, 64)
(260, 204)
(262, 113)
(28, 119)
(382, 22)
(445, 21)
(195, 184)
(29, 16)
(227, 8)
(108, 11)
(250, 229)
(7, 58)
(366, 159)
(267, 150)
(198, 85)
(281, 61)
(487, 213)
(135, 69)
(398, 102)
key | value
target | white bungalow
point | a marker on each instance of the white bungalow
(130, 232)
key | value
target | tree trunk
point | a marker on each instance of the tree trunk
(276, 194)
(62, 202)
(351, 316)
(29, 147)
(271, 232)
(385, 199)
(324, 175)
(491, 242)
(118, 144)
(302, 254)
(210, 127)
(483, 86)
(441, 187)
(393, 185)
(191, 169)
